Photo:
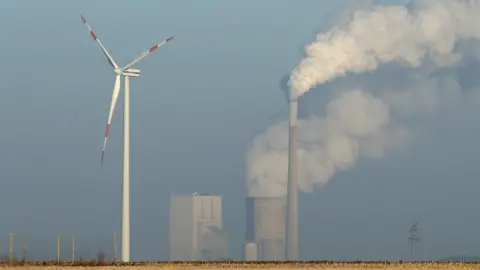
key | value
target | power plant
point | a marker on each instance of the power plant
(291, 237)
(265, 229)
(196, 232)
(271, 222)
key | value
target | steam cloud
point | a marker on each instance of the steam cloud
(360, 122)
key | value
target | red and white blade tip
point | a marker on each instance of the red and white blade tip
(156, 46)
(107, 130)
(94, 36)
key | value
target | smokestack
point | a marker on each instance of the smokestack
(291, 237)
(361, 122)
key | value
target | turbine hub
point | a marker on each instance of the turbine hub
(118, 71)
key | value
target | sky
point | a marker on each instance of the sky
(195, 108)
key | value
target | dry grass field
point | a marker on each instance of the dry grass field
(240, 265)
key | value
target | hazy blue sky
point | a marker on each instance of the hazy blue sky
(198, 103)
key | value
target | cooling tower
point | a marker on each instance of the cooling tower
(291, 237)
(266, 227)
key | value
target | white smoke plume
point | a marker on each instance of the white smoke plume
(388, 33)
(356, 124)
(364, 121)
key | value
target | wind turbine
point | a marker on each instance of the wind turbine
(413, 239)
(126, 72)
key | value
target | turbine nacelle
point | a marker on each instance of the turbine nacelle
(131, 72)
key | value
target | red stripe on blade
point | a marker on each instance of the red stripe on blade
(83, 19)
(170, 38)
(153, 48)
(107, 130)
(93, 35)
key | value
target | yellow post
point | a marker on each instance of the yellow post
(11, 247)
(58, 248)
(114, 247)
(73, 248)
(25, 249)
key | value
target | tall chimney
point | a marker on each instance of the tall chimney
(291, 237)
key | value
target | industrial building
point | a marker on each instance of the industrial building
(196, 232)
(265, 229)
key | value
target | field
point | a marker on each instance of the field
(243, 265)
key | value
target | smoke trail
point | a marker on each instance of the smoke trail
(388, 33)
(366, 121)
(356, 124)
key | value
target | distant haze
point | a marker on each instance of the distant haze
(196, 108)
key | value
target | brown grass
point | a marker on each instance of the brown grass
(242, 265)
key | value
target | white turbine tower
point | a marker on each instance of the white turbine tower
(126, 72)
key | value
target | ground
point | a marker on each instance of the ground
(240, 265)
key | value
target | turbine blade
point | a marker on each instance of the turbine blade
(116, 91)
(107, 56)
(147, 52)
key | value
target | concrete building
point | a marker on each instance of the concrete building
(196, 232)
(266, 222)
(250, 252)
